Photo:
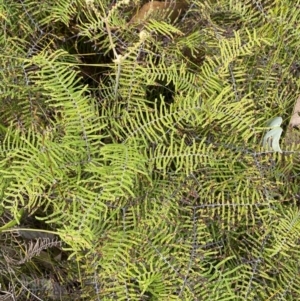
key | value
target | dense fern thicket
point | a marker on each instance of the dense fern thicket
(131, 157)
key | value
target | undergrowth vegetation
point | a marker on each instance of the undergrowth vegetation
(131, 158)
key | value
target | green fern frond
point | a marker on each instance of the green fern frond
(285, 234)
(117, 172)
(142, 149)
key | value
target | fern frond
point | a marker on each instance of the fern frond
(285, 234)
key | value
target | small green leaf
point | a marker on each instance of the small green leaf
(272, 137)
(275, 122)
